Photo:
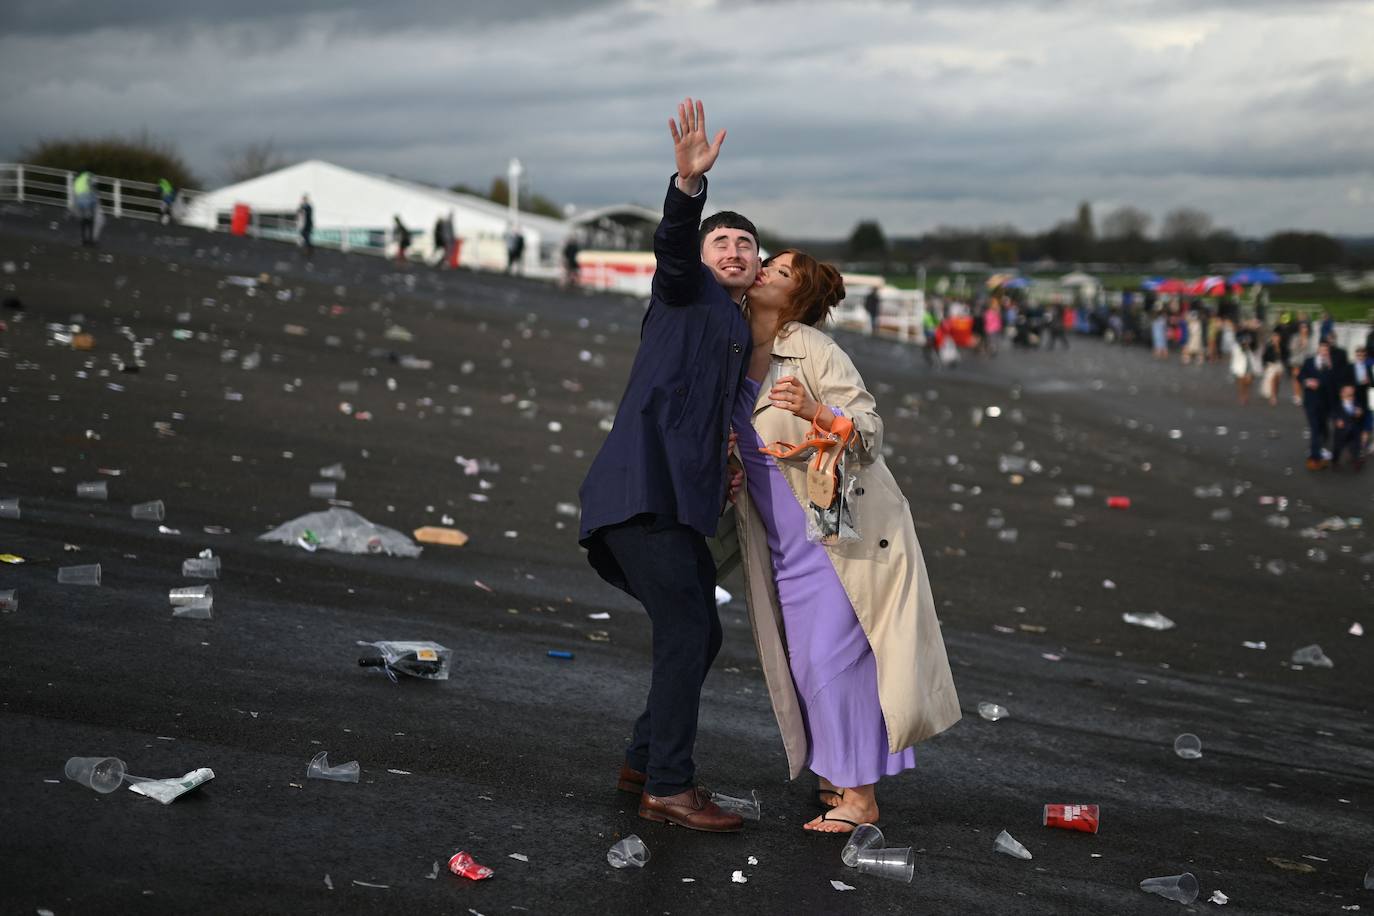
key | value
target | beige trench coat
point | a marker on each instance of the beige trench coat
(884, 573)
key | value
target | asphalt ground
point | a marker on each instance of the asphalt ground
(516, 753)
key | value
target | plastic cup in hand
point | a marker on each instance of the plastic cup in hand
(320, 769)
(992, 712)
(747, 808)
(9, 508)
(630, 851)
(324, 489)
(1189, 747)
(893, 864)
(79, 575)
(95, 489)
(9, 600)
(861, 839)
(104, 774)
(152, 511)
(1181, 888)
(200, 567)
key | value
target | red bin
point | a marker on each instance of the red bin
(238, 224)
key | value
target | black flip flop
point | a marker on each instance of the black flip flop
(821, 801)
(836, 820)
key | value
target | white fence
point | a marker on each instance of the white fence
(119, 197)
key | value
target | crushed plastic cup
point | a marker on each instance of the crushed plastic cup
(189, 593)
(320, 769)
(9, 507)
(629, 852)
(200, 568)
(9, 600)
(1063, 501)
(195, 609)
(167, 791)
(465, 866)
(892, 864)
(104, 774)
(1008, 845)
(747, 808)
(862, 839)
(1083, 818)
(1179, 888)
(1188, 746)
(95, 489)
(1008, 534)
(1312, 657)
(992, 712)
(79, 575)
(150, 511)
(1151, 621)
(324, 489)
(1369, 879)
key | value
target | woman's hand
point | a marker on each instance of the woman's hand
(790, 395)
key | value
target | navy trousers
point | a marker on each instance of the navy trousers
(669, 569)
(1316, 427)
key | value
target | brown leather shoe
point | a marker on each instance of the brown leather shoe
(631, 780)
(692, 809)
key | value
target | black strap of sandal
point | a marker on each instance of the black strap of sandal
(825, 816)
(838, 793)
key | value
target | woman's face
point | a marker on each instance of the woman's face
(775, 284)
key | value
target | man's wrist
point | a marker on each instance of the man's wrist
(690, 185)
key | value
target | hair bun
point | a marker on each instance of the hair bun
(832, 285)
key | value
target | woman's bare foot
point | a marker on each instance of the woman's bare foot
(859, 805)
(829, 793)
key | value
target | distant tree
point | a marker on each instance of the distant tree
(867, 242)
(772, 243)
(253, 159)
(1086, 231)
(461, 188)
(500, 191)
(1185, 224)
(1313, 250)
(543, 206)
(1126, 222)
(138, 157)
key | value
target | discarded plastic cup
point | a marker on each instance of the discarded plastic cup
(992, 712)
(324, 489)
(1151, 621)
(893, 864)
(200, 567)
(104, 774)
(1007, 534)
(1007, 844)
(1118, 502)
(9, 508)
(1063, 501)
(630, 851)
(1312, 657)
(1369, 879)
(150, 511)
(1181, 888)
(9, 600)
(465, 866)
(747, 808)
(863, 838)
(195, 609)
(334, 472)
(320, 769)
(189, 593)
(95, 489)
(1188, 746)
(79, 575)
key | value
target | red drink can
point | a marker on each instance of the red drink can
(1071, 817)
(1118, 502)
(463, 865)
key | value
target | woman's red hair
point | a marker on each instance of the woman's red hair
(819, 287)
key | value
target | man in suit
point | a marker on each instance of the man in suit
(1319, 380)
(655, 491)
(1347, 426)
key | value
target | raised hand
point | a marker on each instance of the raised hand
(694, 154)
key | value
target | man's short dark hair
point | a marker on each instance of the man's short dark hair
(725, 219)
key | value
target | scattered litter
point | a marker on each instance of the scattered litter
(840, 885)
(1151, 621)
(519, 857)
(1179, 888)
(1356, 629)
(722, 597)
(400, 772)
(1071, 817)
(628, 853)
(327, 882)
(464, 866)
(78, 575)
(358, 883)
(1118, 502)
(433, 871)
(992, 712)
(9, 600)
(324, 489)
(433, 534)
(568, 509)
(1221, 515)
(738, 877)
(1290, 865)
(747, 808)
(559, 653)
(1312, 656)
(168, 790)
(11, 558)
(320, 769)
(425, 660)
(1008, 845)
(1188, 746)
(398, 333)
(600, 615)
(1255, 645)
(95, 489)
(201, 567)
(345, 531)
(1108, 583)
(482, 585)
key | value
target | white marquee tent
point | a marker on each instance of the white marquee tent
(354, 210)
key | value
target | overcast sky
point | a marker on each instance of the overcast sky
(917, 114)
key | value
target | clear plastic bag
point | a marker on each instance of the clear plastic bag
(837, 522)
(426, 660)
(345, 531)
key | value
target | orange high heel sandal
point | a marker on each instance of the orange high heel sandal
(822, 476)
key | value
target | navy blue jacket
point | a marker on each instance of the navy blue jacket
(666, 453)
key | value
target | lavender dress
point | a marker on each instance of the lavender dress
(832, 663)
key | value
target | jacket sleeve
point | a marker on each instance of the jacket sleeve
(838, 384)
(678, 272)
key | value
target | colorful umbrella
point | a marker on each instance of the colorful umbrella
(1252, 275)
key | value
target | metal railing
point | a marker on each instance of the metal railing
(119, 197)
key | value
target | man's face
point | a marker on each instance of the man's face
(733, 256)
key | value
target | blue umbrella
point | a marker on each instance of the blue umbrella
(1016, 283)
(1254, 275)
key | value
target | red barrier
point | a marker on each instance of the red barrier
(238, 224)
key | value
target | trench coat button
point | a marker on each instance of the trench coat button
(736, 348)
(858, 491)
(679, 391)
(883, 543)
